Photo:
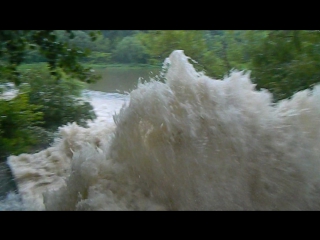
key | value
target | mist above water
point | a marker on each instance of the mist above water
(188, 143)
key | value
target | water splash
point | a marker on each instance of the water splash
(188, 143)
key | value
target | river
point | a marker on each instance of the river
(187, 143)
(122, 80)
(106, 96)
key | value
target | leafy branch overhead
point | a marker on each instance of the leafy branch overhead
(61, 56)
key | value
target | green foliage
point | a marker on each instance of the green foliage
(115, 36)
(227, 51)
(44, 98)
(281, 61)
(160, 43)
(28, 120)
(60, 56)
(102, 45)
(99, 57)
(100, 49)
(130, 50)
(284, 61)
(18, 121)
(60, 102)
(33, 56)
(80, 39)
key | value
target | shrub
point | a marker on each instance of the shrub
(60, 101)
(18, 121)
(28, 121)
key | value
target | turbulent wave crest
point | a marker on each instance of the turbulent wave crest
(188, 143)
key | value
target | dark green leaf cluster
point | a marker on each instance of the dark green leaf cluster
(60, 102)
(285, 61)
(28, 120)
(18, 119)
(60, 56)
(130, 50)
(44, 99)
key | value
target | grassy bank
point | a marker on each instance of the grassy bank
(124, 66)
(41, 65)
(26, 66)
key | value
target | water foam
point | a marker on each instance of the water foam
(189, 143)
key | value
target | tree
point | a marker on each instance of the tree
(285, 61)
(115, 36)
(60, 102)
(18, 121)
(43, 101)
(61, 57)
(160, 43)
(226, 51)
(130, 50)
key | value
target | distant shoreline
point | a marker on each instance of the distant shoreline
(27, 66)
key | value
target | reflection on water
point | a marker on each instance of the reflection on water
(122, 80)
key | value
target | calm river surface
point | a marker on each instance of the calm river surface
(119, 80)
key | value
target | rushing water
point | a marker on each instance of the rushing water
(188, 143)
(105, 105)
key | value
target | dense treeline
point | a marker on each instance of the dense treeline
(282, 61)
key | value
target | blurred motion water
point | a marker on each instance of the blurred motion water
(187, 143)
